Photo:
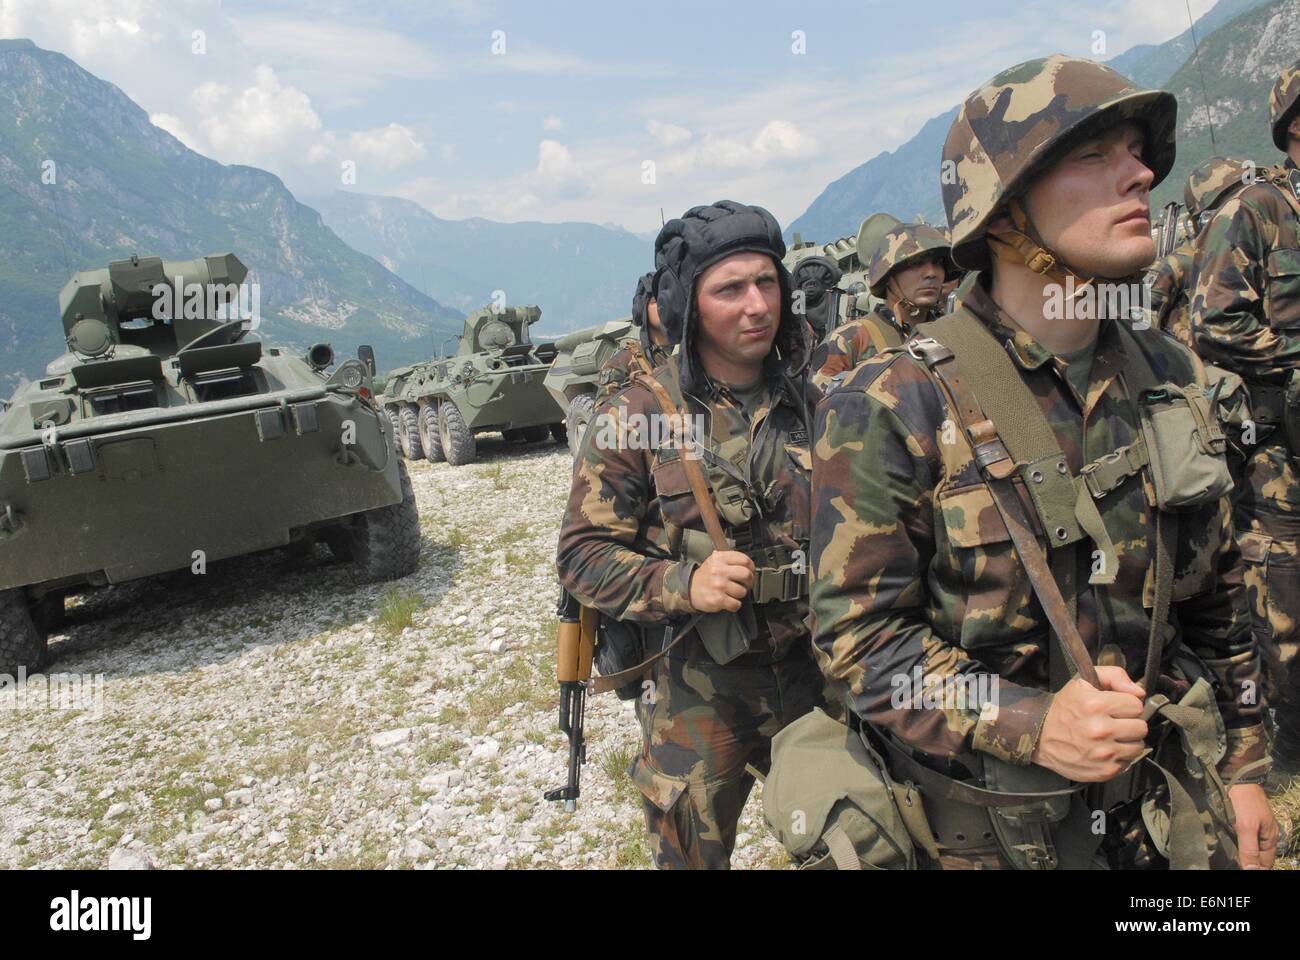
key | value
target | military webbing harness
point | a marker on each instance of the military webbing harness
(1272, 403)
(1011, 436)
(774, 580)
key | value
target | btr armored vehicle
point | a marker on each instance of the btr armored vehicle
(493, 382)
(572, 379)
(168, 437)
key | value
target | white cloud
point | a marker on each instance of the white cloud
(255, 123)
(551, 123)
(667, 133)
(173, 125)
(339, 45)
(392, 146)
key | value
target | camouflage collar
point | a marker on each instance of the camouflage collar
(1027, 352)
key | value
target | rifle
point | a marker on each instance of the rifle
(1169, 229)
(577, 637)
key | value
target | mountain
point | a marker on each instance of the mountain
(905, 182)
(578, 273)
(85, 178)
(1239, 63)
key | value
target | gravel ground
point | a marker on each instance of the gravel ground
(272, 713)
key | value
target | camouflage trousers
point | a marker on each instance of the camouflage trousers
(1267, 520)
(702, 724)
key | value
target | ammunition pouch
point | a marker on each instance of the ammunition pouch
(1182, 444)
(829, 800)
(1185, 475)
(1024, 832)
(779, 576)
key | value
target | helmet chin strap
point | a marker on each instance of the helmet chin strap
(900, 302)
(1021, 246)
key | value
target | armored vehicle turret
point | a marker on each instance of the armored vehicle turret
(170, 436)
(493, 382)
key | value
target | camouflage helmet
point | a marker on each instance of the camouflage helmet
(1283, 104)
(900, 246)
(1209, 182)
(1009, 130)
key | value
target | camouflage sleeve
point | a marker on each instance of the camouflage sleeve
(1216, 627)
(837, 353)
(1229, 280)
(873, 539)
(610, 497)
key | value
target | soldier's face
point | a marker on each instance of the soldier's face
(921, 282)
(739, 301)
(1092, 208)
(657, 333)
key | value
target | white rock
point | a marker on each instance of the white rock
(499, 644)
(242, 797)
(274, 838)
(124, 859)
(390, 738)
(485, 750)
(417, 849)
(116, 810)
(106, 793)
(212, 804)
(498, 632)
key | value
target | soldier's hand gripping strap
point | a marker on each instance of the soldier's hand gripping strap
(724, 635)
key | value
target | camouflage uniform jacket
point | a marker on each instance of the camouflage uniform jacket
(856, 341)
(620, 546)
(913, 568)
(617, 370)
(1246, 308)
(1170, 281)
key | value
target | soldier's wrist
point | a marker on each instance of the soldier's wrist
(1010, 729)
(677, 587)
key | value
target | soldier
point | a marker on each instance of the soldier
(1246, 318)
(1208, 187)
(908, 272)
(942, 468)
(634, 543)
(650, 349)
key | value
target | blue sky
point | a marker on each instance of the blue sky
(581, 102)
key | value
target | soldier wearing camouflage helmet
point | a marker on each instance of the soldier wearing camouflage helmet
(981, 520)
(907, 273)
(706, 541)
(1211, 184)
(645, 353)
(1246, 318)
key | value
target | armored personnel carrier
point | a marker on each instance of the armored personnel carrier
(573, 376)
(493, 382)
(168, 437)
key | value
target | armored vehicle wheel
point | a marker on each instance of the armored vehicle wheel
(457, 441)
(559, 432)
(430, 435)
(512, 436)
(536, 434)
(384, 543)
(580, 412)
(397, 427)
(409, 434)
(22, 642)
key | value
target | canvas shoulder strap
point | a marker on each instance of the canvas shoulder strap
(1009, 434)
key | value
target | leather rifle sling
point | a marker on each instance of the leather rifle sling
(708, 513)
(998, 467)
